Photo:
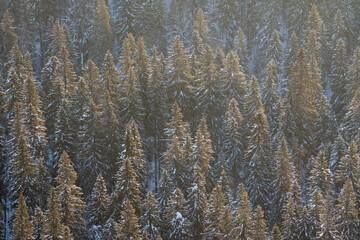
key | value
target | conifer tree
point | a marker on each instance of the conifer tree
(275, 233)
(176, 221)
(260, 227)
(275, 50)
(128, 227)
(301, 100)
(126, 18)
(259, 163)
(240, 45)
(21, 173)
(291, 56)
(110, 78)
(98, 208)
(233, 144)
(91, 160)
(131, 104)
(9, 37)
(150, 219)
(349, 167)
(353, 75)
(209, 95)
(102, 35)
(179, 76)
(216, 207)
(328, 228)
(126, 189)
(338, 150)
(53, 227)
(165, 189)
(234, 80)
(347, 215)
(289, 224)
(324, 124)
(201, 25)
(70, 196)
(351, 119)
(284, 177)
(244, 218)
(321, 178)
(338, 80)
(316, 209)
(38, 223)
(271, 95)
(197, 203)
(22, 226)
(57, 39)
(226, 225)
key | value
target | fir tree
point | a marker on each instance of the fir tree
(349, 167)
(275, 50)
(9, 37)
(38, 223)
(328, 228)
(102, 35)
(226, 225)
(271, 95)
(197, 203)
(351, 122)
(234, 80)
(240, 45)
(260, 227)
(216, 207)
(321, 178)
(348, 215)
(150, 219)
(131, 104)
(126, 189)
(233, 144)
(22, 226)
(176, 221)
(291, 57)
(52, 227)
(244, 218)
(110, 78)
(284, 177)
(259, 163)
(128, 228)
(201, 26)
(70, 196)
(338, 150)
(275, 233)
(98, 208)
(338, 80)
(21, 173)
(163, 195)
(179, 76)
(353, 75)
(290, 219)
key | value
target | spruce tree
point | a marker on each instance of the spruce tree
(276, 233)
(176, 222)
(328, 228)
(240, 45)
(128, 227)
(197, 203)
(260, 227)
(102, 34)
(38, 223)
(284, 177)
(179, 76)
(226, 225)
(53, 227)
(216, 207)
(244, 217)
(110, 78)
(338, 150)
(165, 189)
(9, 37)
(21, 170)
(259, 171)
(150, 219)
(321, 178)
(290, 57)
(351, 119)
(347, 214)
(22, 226)
(338, 80)
(233, 140)
(70, 196)
(126, 189)
(275, 50)
(234, 80)
(201, 25)
(98, 208)
(353, 75)
(290, 217)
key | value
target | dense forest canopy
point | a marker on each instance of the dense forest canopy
(179, 119)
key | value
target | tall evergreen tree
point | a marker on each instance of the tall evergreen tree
(53, 227)
(233, 140)
(38, 223)
(348, 215)
(244, 218)
(351, 122)
(353, 75)
(260, 227)
(22, 226)
(128, 228)
(338, 150)
(150, 219)
(240, 46)
(70, 197)
(8, 36)
(275, 233)
(126, 189)
(226, 225)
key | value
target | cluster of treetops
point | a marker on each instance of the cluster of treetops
(188, 146)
